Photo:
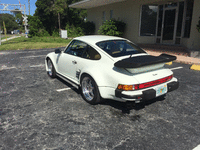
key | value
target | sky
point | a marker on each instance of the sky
(32, 5)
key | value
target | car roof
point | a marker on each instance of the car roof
(93, 39)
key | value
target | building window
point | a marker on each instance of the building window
(188, 17)
(104, 16)
(148, 20)
(111, 14)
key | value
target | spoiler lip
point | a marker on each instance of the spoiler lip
(140, 61)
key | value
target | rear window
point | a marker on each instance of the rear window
(117, 48)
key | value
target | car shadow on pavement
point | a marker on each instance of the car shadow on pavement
(69, 85)
(126, 107)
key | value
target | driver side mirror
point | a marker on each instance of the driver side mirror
(58, 51)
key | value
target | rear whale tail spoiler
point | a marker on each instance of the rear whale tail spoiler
(139, 61)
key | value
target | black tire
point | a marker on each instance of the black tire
(51, 70)
(89, 90)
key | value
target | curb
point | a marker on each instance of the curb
(169, 63)
(195, 67)
(192, 67)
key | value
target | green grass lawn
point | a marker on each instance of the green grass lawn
(23, 43)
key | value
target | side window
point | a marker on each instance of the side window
(76, 48)
(91, 53)
(69, 47)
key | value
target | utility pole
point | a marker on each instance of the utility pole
(0, 30)
(0, 34)
(29, 6)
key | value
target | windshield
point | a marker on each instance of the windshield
(117, 48)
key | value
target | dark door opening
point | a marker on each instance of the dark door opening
(169, 25)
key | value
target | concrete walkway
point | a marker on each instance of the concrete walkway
(180, 58)
(182, 53)
(10, 38)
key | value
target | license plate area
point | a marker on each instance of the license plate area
(161, 90)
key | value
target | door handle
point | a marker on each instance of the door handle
(74, 62)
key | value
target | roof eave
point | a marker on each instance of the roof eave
(86, 4)
(79, 4)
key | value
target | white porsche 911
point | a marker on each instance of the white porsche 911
(108, 67)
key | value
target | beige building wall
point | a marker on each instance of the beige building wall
(194, 41)
(129, 12)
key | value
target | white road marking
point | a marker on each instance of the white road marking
(5, 67)
(197, 148)
(8, 68)
(176, 68)
(41, 65)
(64, 89)
(33, 56)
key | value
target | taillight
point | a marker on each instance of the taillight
(143, 85)
(125, 87)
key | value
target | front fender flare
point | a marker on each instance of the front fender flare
(53, 58)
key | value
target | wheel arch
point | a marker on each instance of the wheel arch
(97, 95)
(46, 59)
(52, 58)
(101, 79)
(81, 76)
(108, 77)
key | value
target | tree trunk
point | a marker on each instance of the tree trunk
(59, 21)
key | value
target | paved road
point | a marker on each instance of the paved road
(34, 115)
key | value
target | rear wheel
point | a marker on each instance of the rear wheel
(89, 90)
(51, 70)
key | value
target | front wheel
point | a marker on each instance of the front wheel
(89, 90)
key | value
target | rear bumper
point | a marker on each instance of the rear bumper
(146, 94)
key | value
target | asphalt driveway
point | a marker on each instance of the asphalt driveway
(40, 113)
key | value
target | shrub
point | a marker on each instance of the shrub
(112, 27)
(73, 31)
(43, 33)
(55, 33)
(36, 28)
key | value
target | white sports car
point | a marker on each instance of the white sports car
(108, 67)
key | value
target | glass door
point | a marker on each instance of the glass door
(169, 23)
(168, 31)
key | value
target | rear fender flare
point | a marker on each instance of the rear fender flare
(107, 77)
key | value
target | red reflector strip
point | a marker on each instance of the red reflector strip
(153, 83)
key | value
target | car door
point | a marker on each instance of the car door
(68, 60)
